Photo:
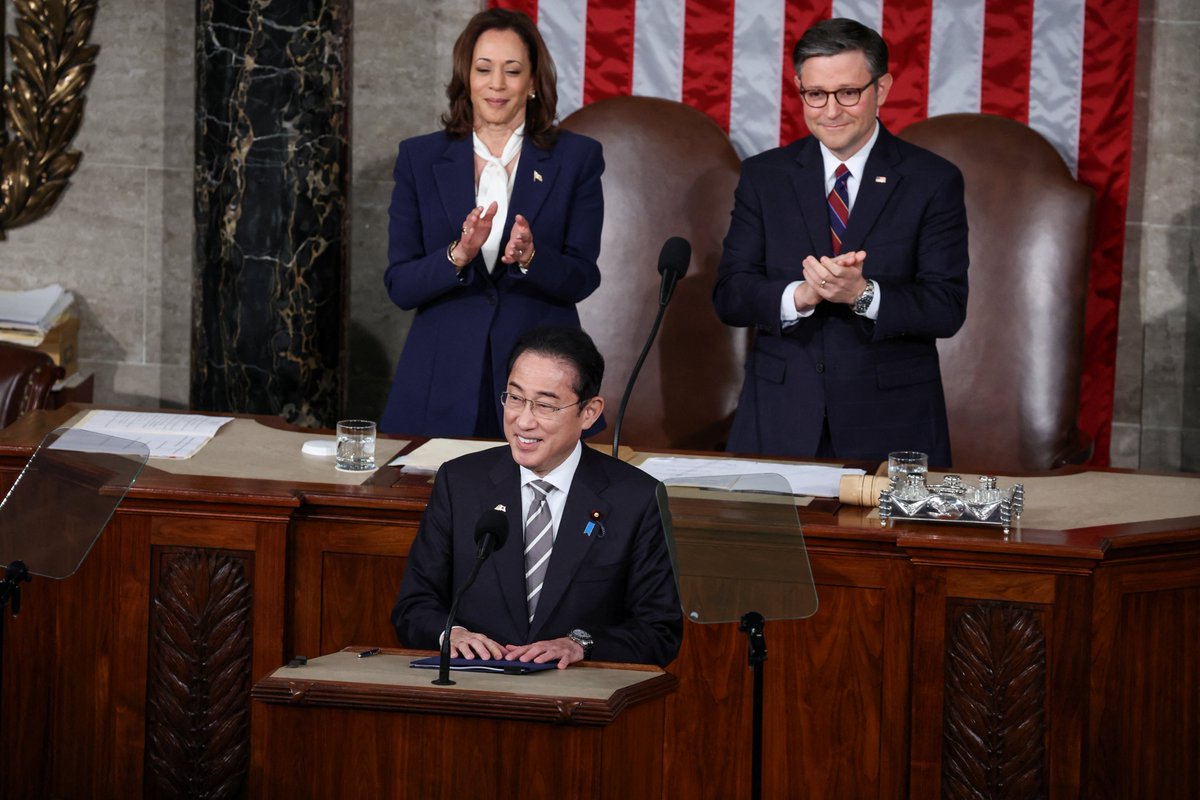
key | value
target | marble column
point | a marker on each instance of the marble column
(272, 167)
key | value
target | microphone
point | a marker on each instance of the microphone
(673, 262)
(491, 532)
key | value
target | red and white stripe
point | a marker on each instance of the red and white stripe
(1064, 67)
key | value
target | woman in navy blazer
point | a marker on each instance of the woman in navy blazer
(475, 297)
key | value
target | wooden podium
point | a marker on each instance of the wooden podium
(344, 726)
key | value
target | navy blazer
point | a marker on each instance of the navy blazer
(469, 320)
(879, 381)
(616, 583)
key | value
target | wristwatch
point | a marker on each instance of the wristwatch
(583, 639)
(863, 301)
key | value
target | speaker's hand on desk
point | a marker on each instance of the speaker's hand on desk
(468, 644)
(565, 651)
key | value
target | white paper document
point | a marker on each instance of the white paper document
(431, 455)
(166, 435)
(34, 309)
(804, 479)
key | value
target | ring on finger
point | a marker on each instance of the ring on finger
(823, 283)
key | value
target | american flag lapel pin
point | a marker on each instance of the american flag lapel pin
(537, 176)
(881, 178)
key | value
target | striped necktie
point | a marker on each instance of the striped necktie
(839, 207)
(539, 539)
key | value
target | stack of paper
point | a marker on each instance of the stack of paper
(26, 317)
(165, 435)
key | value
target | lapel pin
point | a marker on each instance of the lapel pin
(501, 507)
(537, 176)
(881, 179)
(592, 523)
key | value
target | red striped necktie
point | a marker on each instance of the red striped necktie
(839, 207)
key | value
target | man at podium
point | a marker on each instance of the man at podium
(585, 572)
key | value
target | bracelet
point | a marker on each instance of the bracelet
(450, 257)
(525, 264)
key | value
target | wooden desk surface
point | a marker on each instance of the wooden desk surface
(592, 694)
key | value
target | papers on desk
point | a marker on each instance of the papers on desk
(430, 456)
(26, 317)
(804, 479)
(166, 435)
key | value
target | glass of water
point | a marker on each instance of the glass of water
(356, 445)
(903, 463)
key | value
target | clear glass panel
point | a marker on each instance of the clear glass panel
(736, 546)
(64, 497)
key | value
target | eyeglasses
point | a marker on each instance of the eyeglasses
(819, 98)
(514, 402)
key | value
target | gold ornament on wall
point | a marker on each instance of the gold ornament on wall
(43, 104)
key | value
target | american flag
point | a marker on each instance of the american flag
(1063, 67)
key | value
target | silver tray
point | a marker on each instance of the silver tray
(952, 501)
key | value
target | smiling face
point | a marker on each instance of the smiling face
(542, 443)
(501, 79)
(843, 129)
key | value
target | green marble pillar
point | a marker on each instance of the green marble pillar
(272, 173)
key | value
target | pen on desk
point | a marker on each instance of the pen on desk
(366, 653)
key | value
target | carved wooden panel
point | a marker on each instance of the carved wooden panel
(198, 688)
(994, 726)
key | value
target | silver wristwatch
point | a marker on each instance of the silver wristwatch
(863, 301)
(583, 639)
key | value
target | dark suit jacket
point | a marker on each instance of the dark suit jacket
(878, 381)
(464, 326)
(617, 583)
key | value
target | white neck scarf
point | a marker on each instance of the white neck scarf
(495, 185)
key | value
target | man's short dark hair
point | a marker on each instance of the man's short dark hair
(568, 344)
(840, 35)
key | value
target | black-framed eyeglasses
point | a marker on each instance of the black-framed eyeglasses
(819, 98)
(540, 409)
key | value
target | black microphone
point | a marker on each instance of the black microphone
(491, 532)
(673, 262)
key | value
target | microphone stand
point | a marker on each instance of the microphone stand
(443, 678)
(662, 308)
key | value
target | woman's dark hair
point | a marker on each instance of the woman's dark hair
(539, 110)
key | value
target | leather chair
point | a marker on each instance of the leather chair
(26, 377)
(1012, 373)
(670, 171)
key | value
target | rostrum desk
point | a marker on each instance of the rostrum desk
(1058, 662)
(344, 726)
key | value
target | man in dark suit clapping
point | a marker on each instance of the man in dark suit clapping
(847, 252)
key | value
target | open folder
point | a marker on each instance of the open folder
(485, 665)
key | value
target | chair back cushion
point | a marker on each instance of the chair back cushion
(669, 171)
(1012, 373)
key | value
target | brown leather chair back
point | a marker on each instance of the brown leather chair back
(670, 171)
(26, 377)
(1012, 373)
